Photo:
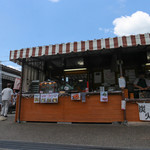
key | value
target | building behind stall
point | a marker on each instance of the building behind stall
(9, 75)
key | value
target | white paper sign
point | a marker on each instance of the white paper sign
(36, 98)
(104, 96)
(122, 82)
(144, 111)
(123, 105)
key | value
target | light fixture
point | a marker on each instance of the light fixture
(77, 69)
(80, 62)
(80, 80)
(148, 56)
(147, 64)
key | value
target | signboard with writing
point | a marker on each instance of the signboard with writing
(104, 96)
(144, 111)
(43, 98)
(109, 77)
(36, 98)
(131, 75)
(48, 98)
(75, 96)
(97, 77)
(52, 98)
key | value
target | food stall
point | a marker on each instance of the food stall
(87, 81)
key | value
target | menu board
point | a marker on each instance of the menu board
(36, 98)
(43, 98)
(49, 98)
(52, 98)
(131, 75)
(75, 96)
(97, 77)
(109, 77)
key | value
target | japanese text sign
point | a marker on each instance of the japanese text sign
(144, 111)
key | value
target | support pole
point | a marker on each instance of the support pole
(0, 82)
(20, 97)
(123, 95)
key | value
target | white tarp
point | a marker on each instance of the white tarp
(144, 111)
(17, 84)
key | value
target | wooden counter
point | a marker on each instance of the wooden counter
(76, 111)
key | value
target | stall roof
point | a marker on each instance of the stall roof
(82, 46)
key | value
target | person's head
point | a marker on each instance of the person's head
(8, 85)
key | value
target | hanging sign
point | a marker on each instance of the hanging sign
(144, 111)
(17, 84)
(75, 96)
(122, 82)
(36, 98)
(123, 105)
(104, 96)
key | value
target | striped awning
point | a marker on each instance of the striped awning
(99, 44)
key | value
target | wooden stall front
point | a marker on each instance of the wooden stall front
(76, 111)
(73, 111)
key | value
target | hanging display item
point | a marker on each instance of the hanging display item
(123, 105)
(104, 96)
(75, 96)
(122, 82)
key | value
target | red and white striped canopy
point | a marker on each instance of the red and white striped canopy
(108, 43)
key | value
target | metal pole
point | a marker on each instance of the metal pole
(20, 97)
(0, 82)
(123, 96)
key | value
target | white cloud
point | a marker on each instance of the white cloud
(54, 1)
(138, 22)
(105, 30)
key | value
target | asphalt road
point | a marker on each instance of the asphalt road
(99, 136)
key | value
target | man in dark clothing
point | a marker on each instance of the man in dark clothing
(140, 84)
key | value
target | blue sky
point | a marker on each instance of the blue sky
(28, 23)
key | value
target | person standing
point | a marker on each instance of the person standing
(141, 82)
(6, 98)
